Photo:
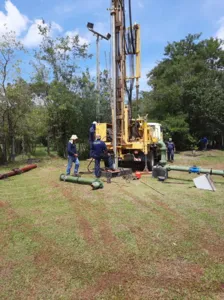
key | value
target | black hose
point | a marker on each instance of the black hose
(88, 167)
(122, 3)
(130, 19)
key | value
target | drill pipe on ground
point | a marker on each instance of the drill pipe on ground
(17, 171)
(95, 183)
(194, 169)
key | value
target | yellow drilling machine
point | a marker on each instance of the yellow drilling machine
(135, 142)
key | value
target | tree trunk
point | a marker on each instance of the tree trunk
(4, 149)
(13, 153)
(23, 146)
(48, 144)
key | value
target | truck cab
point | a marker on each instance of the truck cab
(156, 130)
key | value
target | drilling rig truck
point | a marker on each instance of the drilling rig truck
(134, 142)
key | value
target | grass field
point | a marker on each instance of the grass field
(127, 241)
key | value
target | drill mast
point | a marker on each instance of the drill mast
(126, 42)
(119, 63)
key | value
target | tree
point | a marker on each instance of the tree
(188, 84)
(56, 80)
(9, 70)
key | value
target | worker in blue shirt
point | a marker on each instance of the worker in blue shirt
(72, 156)
(99, 150)
(170, 150)
(205, 143)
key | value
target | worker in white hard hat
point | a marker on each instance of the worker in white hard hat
(92, 135)
(72, 156)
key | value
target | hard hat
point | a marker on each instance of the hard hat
(170, 139)
(94, 122)
(73, 137)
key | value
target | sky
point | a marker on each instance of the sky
(161, 21)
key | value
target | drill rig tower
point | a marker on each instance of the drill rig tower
(131, 140)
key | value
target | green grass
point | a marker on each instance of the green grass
(127, 241)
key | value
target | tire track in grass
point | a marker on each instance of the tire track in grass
(82, 207)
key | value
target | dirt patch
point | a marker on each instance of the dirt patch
(11, 214)
(105, 282)
(168, 274)
(106, 234)
(86, 229)
(178, 272)
(55, 185)
(43, 257)
(6, 269)
(3, 204)
(103, 226)
(212, 244)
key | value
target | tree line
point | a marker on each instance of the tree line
(56, 101)
(186, 95)
(187, 91)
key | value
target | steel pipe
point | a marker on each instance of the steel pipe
(17, 171)
(194, 169)
(95, 183)
(163, 150)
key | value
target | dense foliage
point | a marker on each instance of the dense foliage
(187, 93)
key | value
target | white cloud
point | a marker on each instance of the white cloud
(13, 19)
(24, 29)
(56, 27)
(82, 39)
(220, 32)
(33, 37)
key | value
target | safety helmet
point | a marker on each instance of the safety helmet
(74, 137)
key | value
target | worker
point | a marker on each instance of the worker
(170, 150)
(99, 150)
(205, 143)
(72, 156)
(92, 136)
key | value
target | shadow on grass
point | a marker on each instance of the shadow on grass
(181, 179)
(192, 155)
(191, 180)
